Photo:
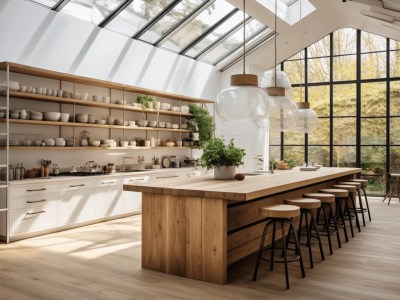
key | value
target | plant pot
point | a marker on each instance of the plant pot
(224, 172)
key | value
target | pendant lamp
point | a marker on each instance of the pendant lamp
(283, 112)
(308, 119)
(243, 99)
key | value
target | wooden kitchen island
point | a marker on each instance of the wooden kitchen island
(195, 227)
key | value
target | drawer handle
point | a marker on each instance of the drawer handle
(29, 202)
(78, 185)
(136, 180)
(161, 177)
(35, 213)
(191, 174)
(108, 182)
(38, 190)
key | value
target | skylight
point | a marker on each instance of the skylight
(207, 30)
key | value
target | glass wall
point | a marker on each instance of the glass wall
(352, 80)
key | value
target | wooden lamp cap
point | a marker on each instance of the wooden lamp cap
(244, 79)
(275, 91)
(303, 105)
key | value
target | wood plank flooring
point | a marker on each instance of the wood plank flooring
(102, 261)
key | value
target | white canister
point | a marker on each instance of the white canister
(147, 143)
(152, 142)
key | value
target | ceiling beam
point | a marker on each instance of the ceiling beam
(115, 13)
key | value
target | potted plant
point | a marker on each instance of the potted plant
(201, 122)
(223, 158)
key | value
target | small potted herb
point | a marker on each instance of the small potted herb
(146, 101)
(223, 158)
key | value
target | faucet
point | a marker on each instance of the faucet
(140, 159)
(123, 161)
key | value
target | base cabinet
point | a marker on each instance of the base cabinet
(34, 219)
(107, 198)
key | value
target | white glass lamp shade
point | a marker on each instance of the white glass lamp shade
(282, 80)
(308, 119)
(283, 114)
(242, 102)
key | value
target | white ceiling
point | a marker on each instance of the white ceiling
(328, 16)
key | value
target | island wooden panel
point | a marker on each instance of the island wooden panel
(198, 237)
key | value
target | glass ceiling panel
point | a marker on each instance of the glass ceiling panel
(179, 12)
(289, 2)
(232, 42)
(93, 11)
(195, 28)
(49, 3)
(217, 33)
(136, 15)
(256, 41)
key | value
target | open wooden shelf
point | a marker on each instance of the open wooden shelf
(70, 124)
(27, 70)
(55, 148)
(36, 97)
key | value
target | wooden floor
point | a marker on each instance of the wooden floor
(102, 261)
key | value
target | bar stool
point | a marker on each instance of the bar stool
(364, 184)
(340, 194)
(351, 190)
(281, 214)
(306, 205)
(355, 209)
(327, 203)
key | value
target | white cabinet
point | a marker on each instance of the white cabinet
(132, 201)
(76, 204)
(33, 219)
(107, 198)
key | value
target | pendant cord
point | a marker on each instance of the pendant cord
(244, 36)
(301, 58)
(276, 12)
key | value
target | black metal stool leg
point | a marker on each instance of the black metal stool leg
(296, 240)
(285, 254)
(361, 206)
(366, 201)
(326, 225)
(314, 224)
(339, 209)
(335, 225)
(271, 266)
(261, 249)
(353, 203)
(347, 210)
(308, 228)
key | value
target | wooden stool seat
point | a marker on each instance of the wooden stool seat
(349, 188)
(307, 203)
(356, 184)
(364, 182)
(324, 198)
(337, 192)
(280, 211)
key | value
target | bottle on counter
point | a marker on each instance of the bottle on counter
(17, 172)
(23, 171)
(11, 173)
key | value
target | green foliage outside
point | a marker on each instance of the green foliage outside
(373, 104)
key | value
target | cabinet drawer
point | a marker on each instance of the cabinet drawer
(76, 186)
(108, 182)
(34, 189)
(30, 202)
(33, 219)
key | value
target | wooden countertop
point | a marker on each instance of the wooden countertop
(251, 188)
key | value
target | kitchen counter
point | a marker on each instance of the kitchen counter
(56, 179)
(195, 227)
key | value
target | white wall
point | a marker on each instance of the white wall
(36, 36)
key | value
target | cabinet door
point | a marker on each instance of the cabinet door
(76, 206)
(34, 219)
(132, 201)
(107, 201)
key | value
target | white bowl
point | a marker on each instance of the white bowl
(114, 144)
(81, 118)
(94, 143)
(38, 142)
(119, 122)
(175, 108)
(102, 122)
(175, 126)
(170, 144)
(165, 106)
(64, 117)
(51, 116)
(14, 116)
(131, 123)
(49, 142)
(185, 108)
(152, 123)
(161, 124)
(59, 140)
(60, 144)
(37, 118)
(143, 123)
